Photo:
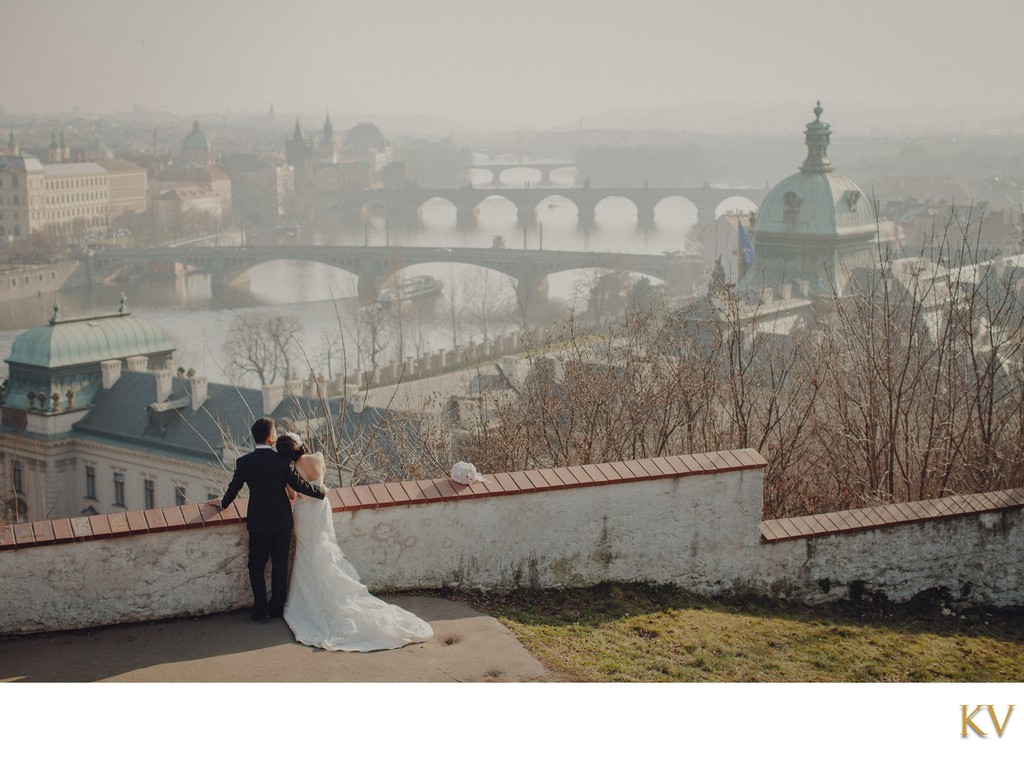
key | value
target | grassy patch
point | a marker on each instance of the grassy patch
(635, 632)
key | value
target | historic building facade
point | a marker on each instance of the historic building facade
(362, 159)
(195, 173)
(95, 419)
(66, 198)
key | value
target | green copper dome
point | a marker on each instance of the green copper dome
(816, 200)
(196, 140)
(87, 341)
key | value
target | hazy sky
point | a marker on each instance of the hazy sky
(523, 62)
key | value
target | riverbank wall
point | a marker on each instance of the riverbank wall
(35, 280)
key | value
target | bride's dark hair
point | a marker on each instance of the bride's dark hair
(289, 445)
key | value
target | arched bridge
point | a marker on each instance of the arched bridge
(544, 167)
(373, 265)
(407, 203)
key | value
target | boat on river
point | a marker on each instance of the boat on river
(415, 288)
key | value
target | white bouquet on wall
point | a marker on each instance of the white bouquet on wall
(465, 473)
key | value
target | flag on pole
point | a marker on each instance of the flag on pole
(746, 246)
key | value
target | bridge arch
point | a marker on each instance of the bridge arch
(616, 208)
(549, 211)
(438, 211)
(517, 176)
(735, 204)
(563, 176)
(480, 176)
(320, 281)
(682, 210)
(497, 209)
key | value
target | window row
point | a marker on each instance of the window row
(148, 490)
(69, 184)
(28, 278)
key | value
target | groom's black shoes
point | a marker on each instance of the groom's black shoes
(276, 613)
(260, 616)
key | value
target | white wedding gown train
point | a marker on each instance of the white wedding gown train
(327, 605)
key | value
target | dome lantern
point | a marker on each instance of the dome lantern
(817, 140)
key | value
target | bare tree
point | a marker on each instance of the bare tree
(455, 309)
(262, 347)
(907, 385)
(486, 299)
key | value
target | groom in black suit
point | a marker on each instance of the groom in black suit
(270, 516)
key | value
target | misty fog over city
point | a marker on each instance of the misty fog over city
(626, 307)
(381, 193)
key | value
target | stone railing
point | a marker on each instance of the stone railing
(690, 520)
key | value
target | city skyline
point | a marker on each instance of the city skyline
(728, 66)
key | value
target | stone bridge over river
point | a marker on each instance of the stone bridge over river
(407, 203)
(372, 265)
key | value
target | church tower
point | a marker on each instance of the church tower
(54, 155)
(327, 149)
(299, 155)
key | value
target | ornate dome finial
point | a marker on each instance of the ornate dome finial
(55, 317)
(817, 140)
(123, 308)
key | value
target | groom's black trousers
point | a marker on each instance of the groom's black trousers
(275, 545)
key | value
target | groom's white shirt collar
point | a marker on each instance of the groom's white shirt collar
(264, 446)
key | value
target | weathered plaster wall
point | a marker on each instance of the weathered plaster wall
(698, 528)
(977, 558)
(119, 580)
(696, 531)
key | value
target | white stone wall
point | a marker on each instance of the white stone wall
(147, 577)
(697, 531)
(978, 558)
(701, 532)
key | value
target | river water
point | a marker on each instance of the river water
(335, 330)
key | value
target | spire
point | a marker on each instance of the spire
(328, 129)
(297, 134)
(817, 139)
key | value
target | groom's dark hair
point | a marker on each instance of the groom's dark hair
(261, 429)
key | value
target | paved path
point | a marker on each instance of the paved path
(467, 647)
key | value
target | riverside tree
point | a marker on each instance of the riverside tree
(261, 347)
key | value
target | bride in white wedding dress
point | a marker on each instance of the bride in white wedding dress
(327, 605)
